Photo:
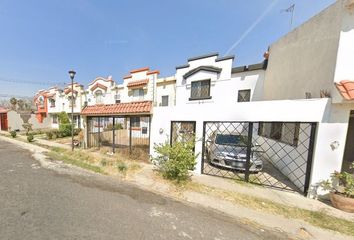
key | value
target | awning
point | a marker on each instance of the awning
(132, 108)
(138, 83)
(346, 89)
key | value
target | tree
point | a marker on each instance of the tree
(13, 102)
(21, 104)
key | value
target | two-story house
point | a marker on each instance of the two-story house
(125, 108)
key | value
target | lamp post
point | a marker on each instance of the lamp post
(72, 75)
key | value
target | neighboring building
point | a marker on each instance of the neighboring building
(126, 108)
(41, 102)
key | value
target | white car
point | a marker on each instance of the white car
(230, 151)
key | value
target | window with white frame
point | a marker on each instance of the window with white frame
(200, 90)
(164, 101)
(138, 93)
(99, 96)
(54, 119)
(284, 132)
(244, 95)
(52, 102)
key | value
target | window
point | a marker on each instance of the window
(55, 119)
(138, 93)
(287, 133)
(98, 96)
(200, 90)
(72, 102)
(117, 101)
(52, 102)
(244, 95)
(164, 101)
(135, 122)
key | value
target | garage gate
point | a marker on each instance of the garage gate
(272, 154)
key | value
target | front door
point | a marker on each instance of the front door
(3, 122)
(348, 158)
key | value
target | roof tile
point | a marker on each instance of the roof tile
(142, 107)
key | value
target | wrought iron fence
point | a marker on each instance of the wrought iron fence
(274, 154)
(119, 132)
(182, 131)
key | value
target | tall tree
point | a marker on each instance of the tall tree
(13, 102)
(21, 104)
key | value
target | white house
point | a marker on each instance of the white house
(298, 106)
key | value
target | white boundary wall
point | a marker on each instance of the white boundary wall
(332, 125)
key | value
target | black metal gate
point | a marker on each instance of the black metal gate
(125, 133)
(274, 154)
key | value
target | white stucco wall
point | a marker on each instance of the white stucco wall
(329, 129)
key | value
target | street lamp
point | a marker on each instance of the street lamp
(72, 75)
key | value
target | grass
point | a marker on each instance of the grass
(76, 158)
(316, 218)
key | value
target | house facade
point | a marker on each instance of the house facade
(296, 108)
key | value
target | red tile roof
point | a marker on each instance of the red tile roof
(346, 88)
(98, 85)
(3, 110)
(142, 107)
(138, 83)
(68, 90)
(140, 70)
(153, 72)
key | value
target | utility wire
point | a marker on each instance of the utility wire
(252, 27)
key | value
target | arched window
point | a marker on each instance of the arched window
(98, 95)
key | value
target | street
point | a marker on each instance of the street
(38, 203)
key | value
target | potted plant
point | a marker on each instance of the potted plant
(341, 187)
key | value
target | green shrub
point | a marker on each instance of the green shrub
(103, 162)
(27, 127)
(63, 118)
(122, 167)
(49, 135)
(65, 129)
(174, 162)
(13, 134)
(30, 138)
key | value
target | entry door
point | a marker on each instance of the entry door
(3, 122)
(348, 158)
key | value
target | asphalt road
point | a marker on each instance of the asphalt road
(38, 203)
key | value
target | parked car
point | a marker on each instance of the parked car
(230, 151)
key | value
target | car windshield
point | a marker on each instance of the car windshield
(229, 139)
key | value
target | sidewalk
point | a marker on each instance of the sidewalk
(147, 179)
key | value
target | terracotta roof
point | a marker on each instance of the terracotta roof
(142, 107)
(98, 85)
(3, 110)
(128, 76)
(51, 95)
(138, 83)
(153, 72)
(346, 88)
(109, 79)
(68, 90)
(140, 70)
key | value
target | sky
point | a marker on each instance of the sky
(41, 40)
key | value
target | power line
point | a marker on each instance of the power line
(253, 26)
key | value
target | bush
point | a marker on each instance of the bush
(174, 162)
(13, 134)
(27, 127)
(49, 135)
(65, 129)
(122, 167)
(30, 138)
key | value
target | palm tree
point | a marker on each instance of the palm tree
(13, 102)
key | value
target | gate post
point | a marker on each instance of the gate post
(114, 135)
(99, 132)
(310, 158)
(130, 135)
(249, 149)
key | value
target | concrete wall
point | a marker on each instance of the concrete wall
(314, 110)
(16, 120)
(305, 59)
